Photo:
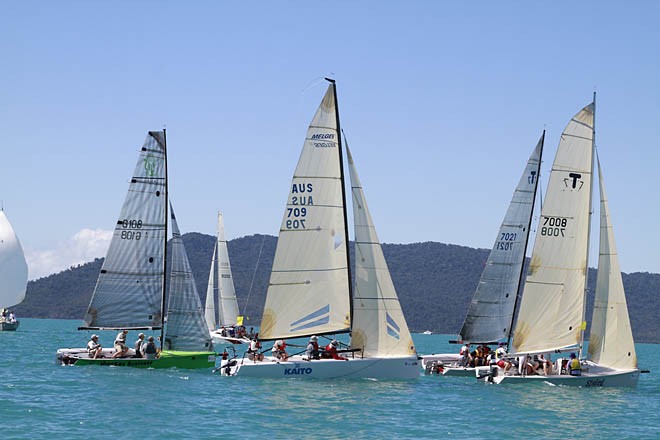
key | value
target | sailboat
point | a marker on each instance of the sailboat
(130, 292)
(310, 291)
(490, 314)
(551, 318)
(221, 288)
(13, 273)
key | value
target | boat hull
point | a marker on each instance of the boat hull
(445, 364)
(9, 326)
(297, 367)
(217, 338)
(595, 376)
(167, 359)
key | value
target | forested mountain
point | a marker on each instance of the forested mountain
(434, 281)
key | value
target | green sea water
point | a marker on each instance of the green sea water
(39, 400)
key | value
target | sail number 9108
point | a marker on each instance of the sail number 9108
(553, 226)
(129, 233)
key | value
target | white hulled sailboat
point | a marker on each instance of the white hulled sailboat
(13, 273)
(551, 318)
(221, 289)
(310, 291)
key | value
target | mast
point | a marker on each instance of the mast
(591, 212)
(529, 231)
(343, 196)
(162, 304)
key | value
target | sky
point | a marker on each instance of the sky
(441, 102)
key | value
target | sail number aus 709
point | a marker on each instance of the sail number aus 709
(295, 218)
(553, 226)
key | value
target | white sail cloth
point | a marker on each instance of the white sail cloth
(551, 310)
(308, 292)
(13, 268)
(379, 327)
(611, 341)
(129, 288)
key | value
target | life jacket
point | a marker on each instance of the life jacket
(150, 348)
(574, 367)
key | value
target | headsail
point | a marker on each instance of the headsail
(551, 309)
(13, 268)
(227, 302)
(309, 291)
(186, 328)
(379, 327)
(490, 313)
(129, 289)
(211, 293)
(611, 341)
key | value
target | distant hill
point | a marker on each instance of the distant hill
(435, 283)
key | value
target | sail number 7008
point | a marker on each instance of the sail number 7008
(553, 226)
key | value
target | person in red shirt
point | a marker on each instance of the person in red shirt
(331, 351)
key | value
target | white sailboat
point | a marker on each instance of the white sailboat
(551, 318)
(490, 314)
(130, 290)
(13, 273)
(221, 288)
(310, 291)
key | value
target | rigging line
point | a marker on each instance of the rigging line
(254, 274)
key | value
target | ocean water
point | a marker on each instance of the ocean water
(39, 399)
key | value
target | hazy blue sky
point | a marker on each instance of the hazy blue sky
(442, 103)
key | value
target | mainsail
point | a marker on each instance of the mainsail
(309, 291)
(611, 341)
(13, 268)
(551, 310)
(129, 289)
(227, 302)
(379, 327)
(491, 310)
(186, 329)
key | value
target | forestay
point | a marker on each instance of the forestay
(611, 341)
(490, 312)
(13, 268)
(551, 309)
(130, 286)
(379, 327)
(186, 329)
(308, 292)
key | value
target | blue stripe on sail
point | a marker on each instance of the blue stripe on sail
(322, 311)
(321, 321)
(391, 322)
(392, 332)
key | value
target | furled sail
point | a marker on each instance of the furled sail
(13, 268)
(611, 341)
(211, 294)
(130, 286)
(186, 328)
(227, 302)
(551, 309)
(309, 292)
(490, 312)
(379, 327)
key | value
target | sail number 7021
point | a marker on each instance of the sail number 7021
(553, 226)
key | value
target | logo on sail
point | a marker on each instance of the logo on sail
(392, 328)
(314, 319)
(329, 139)
(574, 181)
(150, 165)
